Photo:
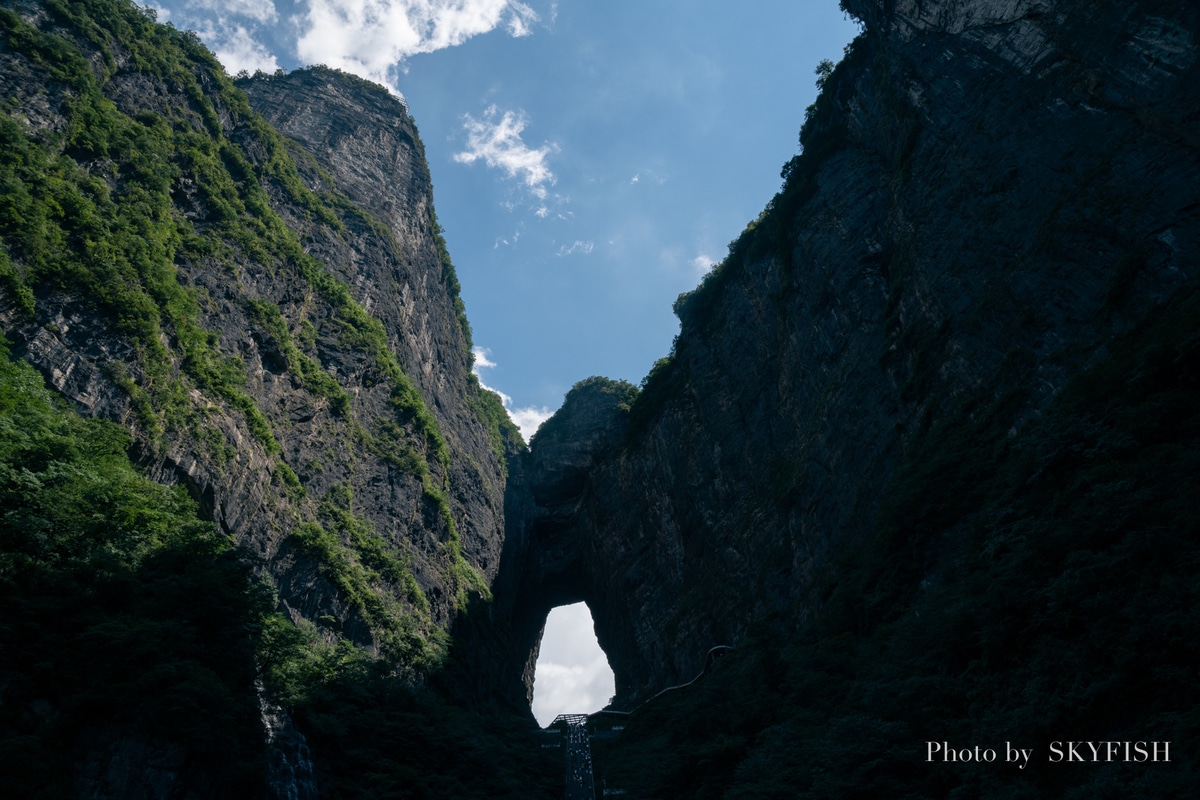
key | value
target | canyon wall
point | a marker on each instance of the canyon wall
(989, 194)
(295, 350)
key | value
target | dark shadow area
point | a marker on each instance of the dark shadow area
(1064, 616)
(137, 641)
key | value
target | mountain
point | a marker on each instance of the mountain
(278, 331)
(924, 448)
(920, 464)
(990, 198)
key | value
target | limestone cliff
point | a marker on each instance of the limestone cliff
(990, 194)
(290, 343)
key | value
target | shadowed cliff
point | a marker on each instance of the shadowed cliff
(923, 447)
(990, 195)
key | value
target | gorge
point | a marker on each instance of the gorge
(924, 451)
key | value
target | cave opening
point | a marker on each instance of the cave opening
(572, 675)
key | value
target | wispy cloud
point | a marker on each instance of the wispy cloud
(372, 37)
(496, 140)
(584, 248)
(509, 241)
(231, 29)
(236, 47)
(257, 10)
(702, 263)
(527, 419)
(649, 175)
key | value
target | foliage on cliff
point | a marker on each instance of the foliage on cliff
(593, 391)
(377, 737)
(121, 614)
(130, 206)
(155, 235)
(126, 619)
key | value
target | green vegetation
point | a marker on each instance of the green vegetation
(503, 433)
(620, 394)
(1023, 588)
(661, 383)
(120, 208)
(123, 616)
(449, 275)
(378, 738)
(89, 211)
(316, 380)
(356, 559)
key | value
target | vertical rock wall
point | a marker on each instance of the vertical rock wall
(990, 192)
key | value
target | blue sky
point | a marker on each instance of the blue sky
(591, 160)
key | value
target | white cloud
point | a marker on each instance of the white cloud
(572, 674)
(530, 418)
(481, 359)
(702, 263)
(522, 17)
(496, 139)
(652, 175)
(527, 419)
(237, 49)
(230, 28)
(257, 10)
(372, 37)
(578, 246)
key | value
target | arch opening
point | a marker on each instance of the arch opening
(572, 675)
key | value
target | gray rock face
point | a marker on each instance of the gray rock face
(991, 192)
(318, 364)
(363, 140)
(547, 563)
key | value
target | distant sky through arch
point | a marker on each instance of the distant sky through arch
(572, 675)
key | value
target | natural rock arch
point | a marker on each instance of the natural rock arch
(550, 559)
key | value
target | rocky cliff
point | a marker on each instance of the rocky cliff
(267, 307)
(923, 450)
(990, 195)
(300, 358)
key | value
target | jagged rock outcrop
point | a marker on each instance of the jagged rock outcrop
(546, 562)
(989, 194)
